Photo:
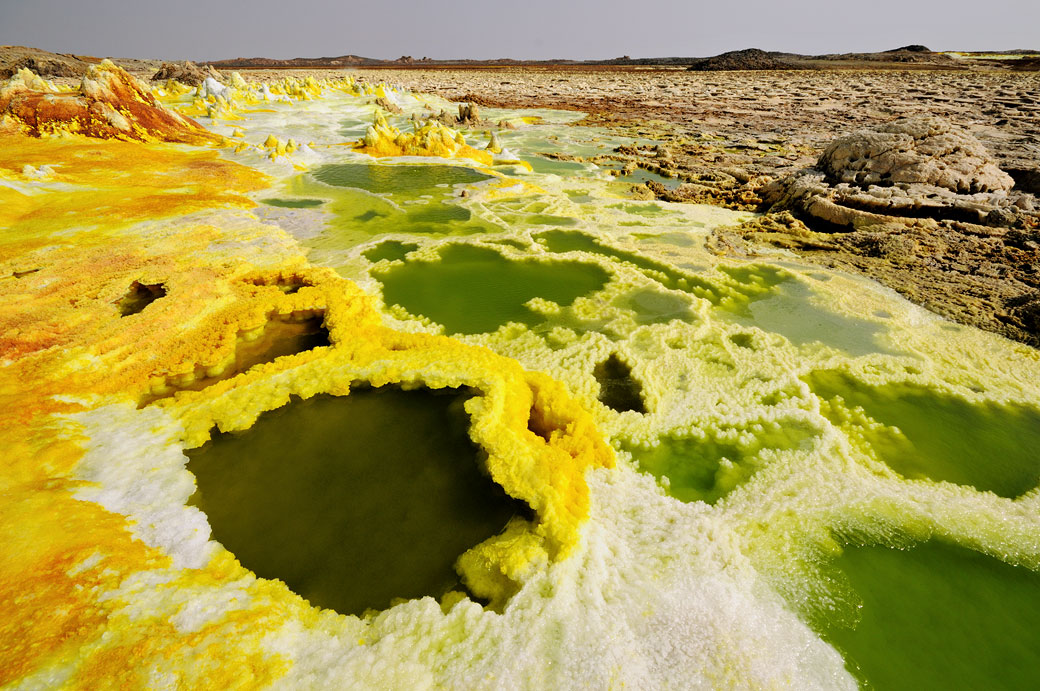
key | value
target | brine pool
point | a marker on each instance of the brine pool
(819, 484)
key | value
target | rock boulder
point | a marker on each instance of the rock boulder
(911, 168)
(918, 150)
(184, 72)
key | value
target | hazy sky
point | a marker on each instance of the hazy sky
(215, 29)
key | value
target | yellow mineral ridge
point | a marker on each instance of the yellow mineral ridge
(429, 139)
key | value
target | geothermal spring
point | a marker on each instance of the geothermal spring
(346, 396)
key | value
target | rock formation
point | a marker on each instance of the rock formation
(430, 138)
(469, 114)
(747, 59)
(921, 150)
(494, 146)
(184, 72)
(388, 105)
(110, 104)
(921, 206)
(57, 66)
(920, 167)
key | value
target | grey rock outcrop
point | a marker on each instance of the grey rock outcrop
(45, 66)
(911, 168)
(186, 73)
(920, 150)
(747, 59)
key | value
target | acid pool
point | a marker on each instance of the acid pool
(385, 514)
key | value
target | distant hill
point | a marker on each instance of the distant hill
(341, 61)
(359, 61)
(747, 59)
(915, 48)
(49, 64)
(913, 54)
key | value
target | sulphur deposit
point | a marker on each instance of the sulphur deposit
(704, 451)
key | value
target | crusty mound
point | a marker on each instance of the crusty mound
(922, 150)
(747, 59)
(58, 66)
(186, 72)
(110, 104)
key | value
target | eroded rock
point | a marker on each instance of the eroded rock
(918, 150)
(110, 104)
(911, 168)
(186, 72)
(388, 105)
(921, 206)
(46, 66)
(469, 114)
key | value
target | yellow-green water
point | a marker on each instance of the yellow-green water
(926, 434)
(365, 200)
(476, 290)
(294, 203)
(738, 287)
(395, 179)
(347, 510)
(937, 616)
(709, 469)
(390, 250)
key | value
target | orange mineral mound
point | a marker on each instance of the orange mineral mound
(110, 104)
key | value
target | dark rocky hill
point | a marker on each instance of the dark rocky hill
(747, 59)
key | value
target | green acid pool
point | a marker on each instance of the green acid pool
(708, 469)
(353, 501)
(395, 179)
(940, 437)
(731, 289)
(294, 203)
(472, 289)
(937, 616)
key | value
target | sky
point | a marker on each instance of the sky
(523, 29)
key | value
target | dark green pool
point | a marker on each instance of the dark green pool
(294, 203)
(383, 179)
(352, 501)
